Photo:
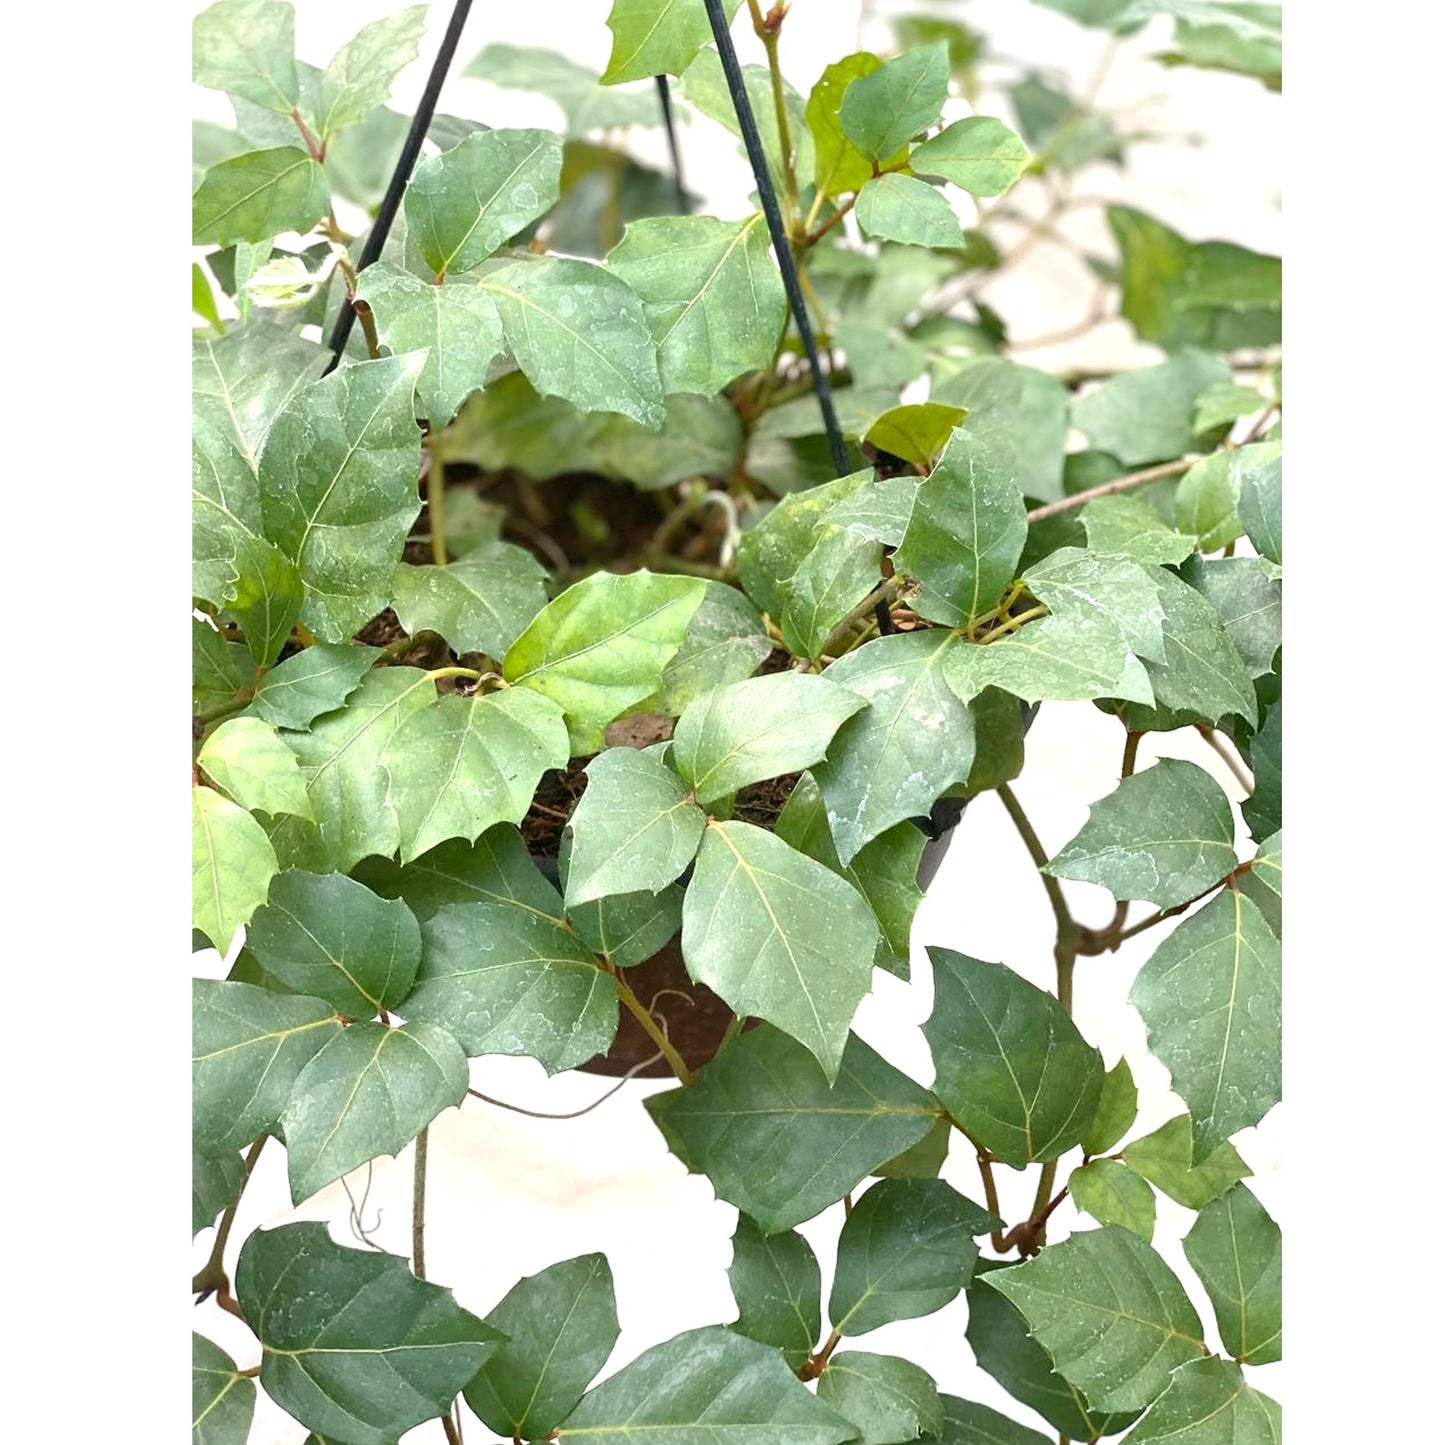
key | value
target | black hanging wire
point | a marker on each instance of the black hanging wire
(664, 96)
(743, 109)
(411, 149)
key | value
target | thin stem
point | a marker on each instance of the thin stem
(734, 1028)
(1066, 925)
(879, 597)
(632, 1073)
(1108, 489)
(650, 1027)
(766, 29)
(437, 673)
(418, 1207)
(367, 318)
(212, 1275)
(436, 492)
(1012, 624)
(990, 1190)
(1131, 754)
(451, 1430)
(1235, 766)
(818, 1363)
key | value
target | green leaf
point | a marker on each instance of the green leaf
(219, 669)
(1147, 415)
(1113, 1194)
(268, 598)
(629, 928)
(1264, 881)
(657, 37)
(1020, 413)
(588, 105)
(841, 165)
(1133, 529)
(354, 1345)
(634, 829)
(981, 155)
(1179, 293)
(254, 196)
(725, 642)
(203, 299)
(248, 1046)
(1012, 1068)
(338, 478)
(712, 296)
(1208, 1402)
(778, 936)
(458, 325)
(1206, 497)
(1115, 589)
(361, 73)
(916, 433)
(580, 332)
(1248, 600)
(461, 205)
(1166, 1159)
(889, 1400)
(480, 603)
(463, 764)
(841, 568)
(332, 938)
(1210, 1000)
(1118, 1108)
(924, 1159)
(901, 208)
(778, 1287)
(601, 646)
(248, 48)
(1109, 1311)
(965, 1423)
(247, 760)
(883, 110)
(1219, 405)
(912, 742)
(370, 1091)
(884, 871)
(1235, 1249)
(1260, 500)
(1202, 674)
(1164, 835)
(906, 1250)
(998, 755)
(762, 727)
(232, 864)
(1263, 809)
(342, 759)
(965, 534)
(222, 1399)
(560, 1326)
(215, 1185)
(776, 1138)
(506, 979)
(999, 1337)
(317, 680)
(702, 1386)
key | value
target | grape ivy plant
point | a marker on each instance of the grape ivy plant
(582, 582)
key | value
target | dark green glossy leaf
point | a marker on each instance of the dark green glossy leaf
(338, 488)
(778, 1287)
(965, 533)
(560, 1326)
(1118, 1108)
(361, 73)
(699, 1386)
(635, 828)
(906, 1250)
(628, 928)
(778, 936)
(912, 742)
(1164, 835)
(369, 1091)
(254, 196)
(888, 1400)
(1013, 1070)
(1109, 1311)
(1166, 1159)
(505, 979)
(248, 1046)
(219, 669)
(712, 296)
(1265, 879)
(924, 1160)
(601, 647)
(1248, 600)
(657, 37)
(1208, 1402)
(250, 764)
(759, 728)
(579, 332)
(248, 48)
(902, 208)
(232, 864)
(904, 96)
(215, 1185)
(479, 603)
(1235, 1248)
(980, 154)
(355, 1346)
(332, 938)
(1113, 1194)
(1263, 810)
(1147, 415)
(776, 1138)
(222, 1400)
(965, 1423)
(1210, 1000)
(463, 204)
